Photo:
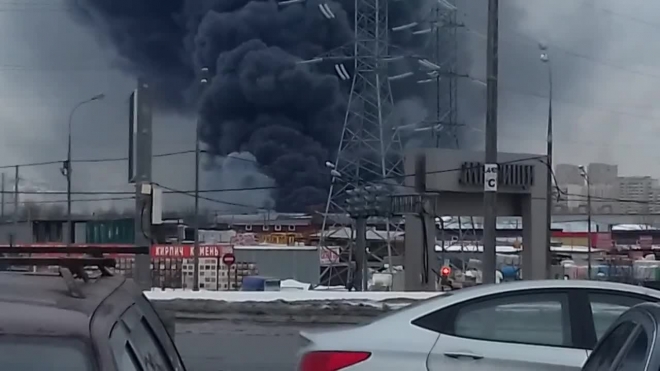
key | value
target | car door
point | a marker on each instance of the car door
(634, 355)
(605, 306)
(520, 331)
(624, 348)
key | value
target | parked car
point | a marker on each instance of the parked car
(79, 317)
(523, 325)
(631, 344)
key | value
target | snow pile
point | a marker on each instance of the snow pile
(296, 302)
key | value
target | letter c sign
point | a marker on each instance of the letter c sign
(490, 178)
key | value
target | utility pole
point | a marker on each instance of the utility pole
(2, 209)
(66, 166)
(67, 170)
(490, 166)
(140, 173)
(16, 179)
(202, 83)
(589, 236)
(585, 175)
(12, 236)
(549, 144)
(361, 268)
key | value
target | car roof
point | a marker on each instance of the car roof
(436, 302)
(42, 304)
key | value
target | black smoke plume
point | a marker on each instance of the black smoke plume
(288, 115)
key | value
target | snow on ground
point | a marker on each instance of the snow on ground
(287, 295)
(290, 291)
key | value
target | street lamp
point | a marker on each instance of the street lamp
(203, 82)
(66, 168)
(546, 59)
(584, 174)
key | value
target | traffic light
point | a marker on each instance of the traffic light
(445, 271)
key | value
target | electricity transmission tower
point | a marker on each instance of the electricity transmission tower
(370, 151)
(440, 68)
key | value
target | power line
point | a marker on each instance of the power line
(94, 160)
(117, 159)
(169, 190)
(172, 190)
(30, 202)
(612, 13)
(244, 189)
(32, 6)
(584, 105)
(603, 62)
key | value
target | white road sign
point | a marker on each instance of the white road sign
(490, 178)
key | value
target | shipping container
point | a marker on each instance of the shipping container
(121, 231)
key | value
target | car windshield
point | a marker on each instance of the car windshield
(27, 353)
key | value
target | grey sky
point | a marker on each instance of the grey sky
(605, 64)
(54, 63)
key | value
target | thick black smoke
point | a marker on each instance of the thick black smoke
(288, 115)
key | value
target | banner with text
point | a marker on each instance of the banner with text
(186, 251)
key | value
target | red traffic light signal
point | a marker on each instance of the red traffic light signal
(445, 271)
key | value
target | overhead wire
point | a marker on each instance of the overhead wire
(170, 190)
(381, 181)
(191, 194)
(592, 107)
(243, 189)
(628, 17)
(601, 61)
(93, 160)
(31, 202)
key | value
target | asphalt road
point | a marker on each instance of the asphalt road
(226, 346)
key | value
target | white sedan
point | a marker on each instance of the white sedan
(526, 325)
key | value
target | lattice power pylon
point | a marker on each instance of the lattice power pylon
(438, 74)
(445, 46)
(370, 151)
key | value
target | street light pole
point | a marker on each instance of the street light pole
(67, 165)
(549, 143)
(585, 175)
(589, 236)
(202, 82)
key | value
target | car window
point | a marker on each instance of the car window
(44, 353)
(636, 355)
(605, 352)
(159, 332)
(134, 340)
(122, 350)
(147, 348)
(540, 319)
(606, 308)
